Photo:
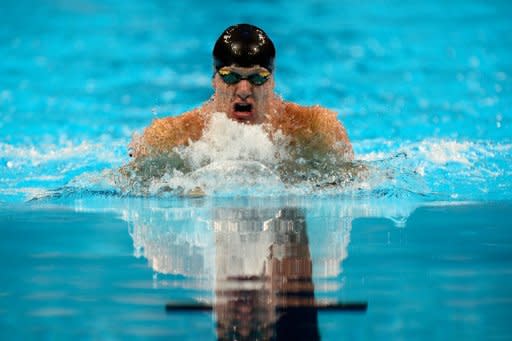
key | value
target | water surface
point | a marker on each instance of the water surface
(422, 240)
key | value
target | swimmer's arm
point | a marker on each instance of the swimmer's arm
(336, 135)
(313, 130)
(327, 133)
(166, 133)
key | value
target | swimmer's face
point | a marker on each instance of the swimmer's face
(245, 100)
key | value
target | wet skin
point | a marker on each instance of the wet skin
(244, 102)
(311, 128)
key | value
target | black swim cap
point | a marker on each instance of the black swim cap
(244, 45)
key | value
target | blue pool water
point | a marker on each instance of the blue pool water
(423, 239)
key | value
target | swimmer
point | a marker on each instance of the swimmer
(243, 83)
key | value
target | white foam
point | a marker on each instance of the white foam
(445, 151)
(222, 178)
(238, 158)
(228, 140)
(372, 156)
(438, 152)
(36, 155)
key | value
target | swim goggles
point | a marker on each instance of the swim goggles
(230, 77)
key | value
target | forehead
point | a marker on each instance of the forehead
(245, 70)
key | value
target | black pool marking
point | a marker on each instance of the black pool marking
(328, 306)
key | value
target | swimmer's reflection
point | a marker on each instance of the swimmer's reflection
(260, 259)
(264, 288)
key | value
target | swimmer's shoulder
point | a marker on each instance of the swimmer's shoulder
(313, 119)
(163, 134)
(314, 123)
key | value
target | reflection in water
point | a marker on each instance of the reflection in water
(259, 260)
(264, 286)
(268, 265)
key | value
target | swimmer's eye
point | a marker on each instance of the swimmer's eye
(230, 77)
(259, 78)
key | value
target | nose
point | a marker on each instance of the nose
(244, 89)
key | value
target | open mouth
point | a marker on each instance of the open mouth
(242, 111)
(243, 107)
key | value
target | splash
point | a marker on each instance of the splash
(234, 159)
(446, 151)
(440, 169)
(30, 170)
(227, 140)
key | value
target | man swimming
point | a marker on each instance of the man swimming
(243, 85)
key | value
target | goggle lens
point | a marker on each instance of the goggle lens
(230, 77)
